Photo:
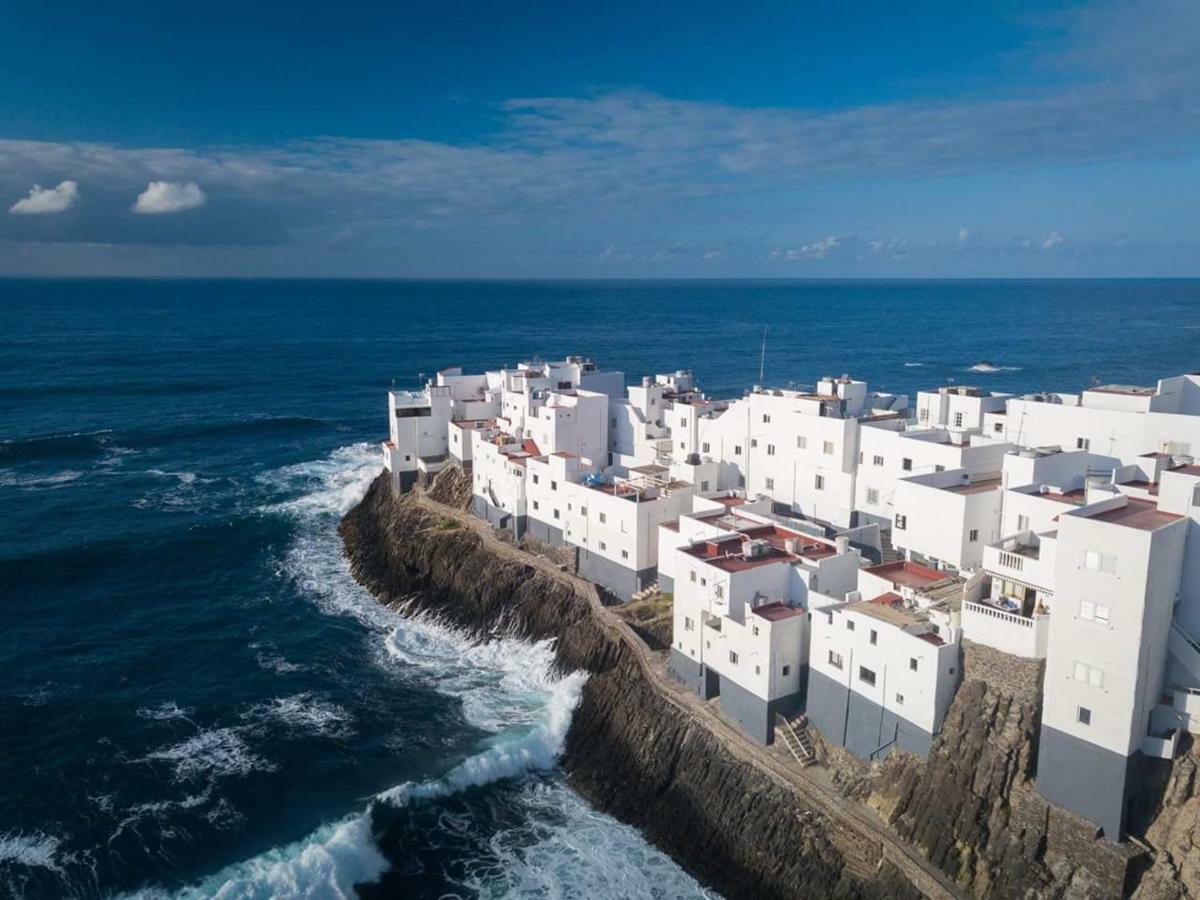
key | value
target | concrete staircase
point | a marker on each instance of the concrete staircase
(887, 551)
(794, 737)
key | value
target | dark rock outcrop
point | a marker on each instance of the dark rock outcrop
(630, 751)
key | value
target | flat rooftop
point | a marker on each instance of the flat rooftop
(1140, 514)
(907, 574)
(1132, 390)
(775, 612)
(975, 487)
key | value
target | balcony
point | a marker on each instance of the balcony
(1006, 631)
(1024, 557)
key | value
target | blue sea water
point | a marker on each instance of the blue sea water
(197, 700)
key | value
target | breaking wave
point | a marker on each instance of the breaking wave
(212, 753)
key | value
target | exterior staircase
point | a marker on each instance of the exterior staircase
(887, 551)
(795, 737)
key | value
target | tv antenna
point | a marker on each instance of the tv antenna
(762, 359)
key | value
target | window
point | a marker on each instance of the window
(874, 636)
(719, 590)
(835, 659)
(958, 420)
(1082, 444)
(877, 460)
(770, 484)
(603, 517)
(906, 464)
(757, 670)
(766, 419)
(901, 522)
(770, 449)
(939, 468)
(753, 442)
(973, 535)
(1088, 674)
(583, 510)
(556, 514)
(624, 554)
(1100, 562)
(756, 631)
(737, 449)
(802, 443)
(603, 546)
(535, 504)
(827, 448)
(849, 624)
(1084, 716)
(535, 479)
(703, 486)
(819, 482)
(1022, 523)
(866, 676)
(554, 485)
(912, 664)
(924, 414)
(733, 657)
(786, 671)
(688, 625)
(693, 574)
(683, 420)
(872, 496)
(998, 427)
(703, 582)
(1094, 612)
(899, 699)
(704, 447)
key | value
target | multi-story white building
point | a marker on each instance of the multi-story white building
(1063, 527)
(884, 664)
(741, 588)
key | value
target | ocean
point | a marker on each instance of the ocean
(197, 699)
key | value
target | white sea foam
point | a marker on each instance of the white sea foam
(990, 369)
(165, 711)
(215, 753)
(9, 478)
(914, 365)
(36, 850)
(505, 687)
(304, 712)
(326, 864)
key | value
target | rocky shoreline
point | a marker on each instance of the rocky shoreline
(746, 829)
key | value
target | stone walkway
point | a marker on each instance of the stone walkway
(814, 783)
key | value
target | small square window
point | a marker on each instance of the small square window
(733, 657)
(912, 663)
(973, 536)
(865, 675)
(906, 464)
(874, 636)
(1084, 716)
(786, 671)
(901, 522)
(899, 699)
(835, 659)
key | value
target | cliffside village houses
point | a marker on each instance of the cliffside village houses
(830, 551)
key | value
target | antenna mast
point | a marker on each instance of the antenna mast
(762, 359)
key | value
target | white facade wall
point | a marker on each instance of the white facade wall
(1129, 651)
(921, 696)
(946, 525)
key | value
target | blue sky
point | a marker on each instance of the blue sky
(796, 140)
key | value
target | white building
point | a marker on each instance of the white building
(883, 670)
(741, 588)
(945, 519)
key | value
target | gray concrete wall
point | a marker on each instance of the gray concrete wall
(860, 725)
(497, 517)
(687, 670)
(751, 713)
(614, 577)
(402, 482)
(544, 531)
(1085, 779)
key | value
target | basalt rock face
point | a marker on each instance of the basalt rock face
(630, 751)
(972, 807)
(1174, 831)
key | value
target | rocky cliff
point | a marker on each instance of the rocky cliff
(630, 751)
(971, 809)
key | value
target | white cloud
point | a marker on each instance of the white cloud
(963, 235)
(47, 200)
(815, 250)
(1051, 240)
(169, 197)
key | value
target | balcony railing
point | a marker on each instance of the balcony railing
(1006, 631)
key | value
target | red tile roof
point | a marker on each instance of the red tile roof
(775, 612)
